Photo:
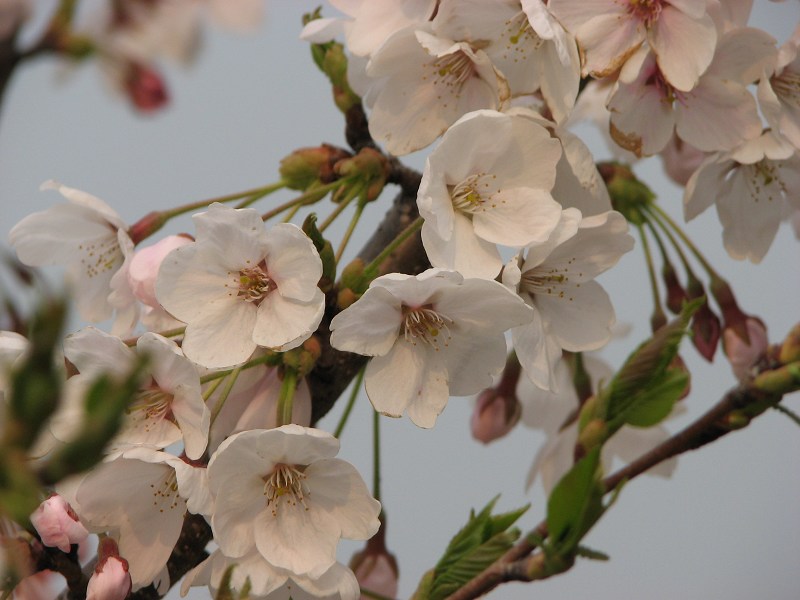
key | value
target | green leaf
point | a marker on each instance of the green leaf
(654, 404)
(575, 503)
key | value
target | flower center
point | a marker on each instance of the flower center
(425, 325)
(521, 38)
(254, 283)
(151, 406)
(646, 11)
(474, 194)
(285, 482)
(165, 491)
(549, 281)
(453, 71)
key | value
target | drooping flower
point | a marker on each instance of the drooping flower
(572, 311)
(86, 235)
(476, 194)
(281, 493)
(751, 187)
(431, 336)
(240, 286)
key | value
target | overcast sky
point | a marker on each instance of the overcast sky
(725, 526)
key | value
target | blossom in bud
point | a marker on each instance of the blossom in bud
(307, 166)
(57, 524)
(110, 580)
(370, 168)
(494, 415)
(144, 87)
(706, 330)
(741, 354)
(375, 567)
(144, 265)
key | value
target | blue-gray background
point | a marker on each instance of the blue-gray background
(726, 526)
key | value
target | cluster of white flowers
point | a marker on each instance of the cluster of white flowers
(517, 224)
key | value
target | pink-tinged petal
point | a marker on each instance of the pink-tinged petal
(750, 207)
(283, 323)
(192, 283)
(567, 228)
(338, 583)
(579, 317)
(517, 217)
(743, 55)
(307, 542)
(110, 580)
(684, 46)
(379, 19)
(578, 183)
(717, 115)
(395, 379)
(573, 14)
(370, 326)
(560, 81)
(194, 420)
(94, 351)
(337, 493)
(236, 237)
(465, 252)
(538, 352)
(144, 266)
(473, 363)
(57, 524)
(293, 262)
(236, 515)
(704, 185)
(608, 41)
(223, 338)
(85, 200)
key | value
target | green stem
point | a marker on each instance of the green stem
(376, 455)
(350, 403)
(212, 388)
(343, 203)
(374, 595)
(167, 334)
(229, 383)
(401, 237)
(286, 397)
(789, 413)
(694, 250)
(292, 212)
(308, 197)
(350, 229)
(658, 318)
(265, 359)
(259, 191)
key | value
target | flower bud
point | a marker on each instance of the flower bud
(144, 267)
(676, 294)
(307, 166)
(706, 330)
(371, 168)
(741, 354)
(375, 567)
(628, 194)
(57, 524)
(145, 87)
(110, 580)
(494, 415)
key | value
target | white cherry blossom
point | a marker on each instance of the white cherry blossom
(240, 286)
(431, 335)
(85, 235)
(779, 91)
(282, 493)
(572, 311)
(488, 182)
(752, 187)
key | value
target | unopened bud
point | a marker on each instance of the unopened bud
(345, 298)
(371, 169)
(111, 579)
(145, 87)
(494, 415)
(741, 354)
(734, 318)
(676, 294)
(307, 166)
(790, 348)
(591, 436)
(144, 266)
(375, 567)
(628, 194)
(57, 524)
(706, 331)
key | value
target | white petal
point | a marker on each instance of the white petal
(283, 323)
(370, 326)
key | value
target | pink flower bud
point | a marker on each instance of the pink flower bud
(145, 88)
(58, 524)
(145, 264)
(375, 567)
(110, 580)
(743, 355)
(494, 416)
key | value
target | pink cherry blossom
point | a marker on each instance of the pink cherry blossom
(57, 524)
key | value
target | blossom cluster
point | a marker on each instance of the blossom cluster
(516, 223)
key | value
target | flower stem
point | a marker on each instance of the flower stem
(350, 229)
(286, 397)
(343, 203)
(167, 334)
(658, 317)
(229, 383)
(350, 403)
(308, 197)
(265, 359)
(401, 237)
(376, 455)
(212, 388)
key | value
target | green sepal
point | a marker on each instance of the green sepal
(591, 554)
(325, 251)
(225, 592)
(655, 403)
(575, 504)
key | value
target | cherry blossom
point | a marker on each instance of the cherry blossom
(475, 196)
(779, 93)
(431, 335)
(86, 235)
(57, 524)
(240, 286)
(282, 493)
(572, 311)
(751, 187)
(110, 579)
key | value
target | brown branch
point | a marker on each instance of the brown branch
(517, 564)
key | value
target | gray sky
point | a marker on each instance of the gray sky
(725, 526)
